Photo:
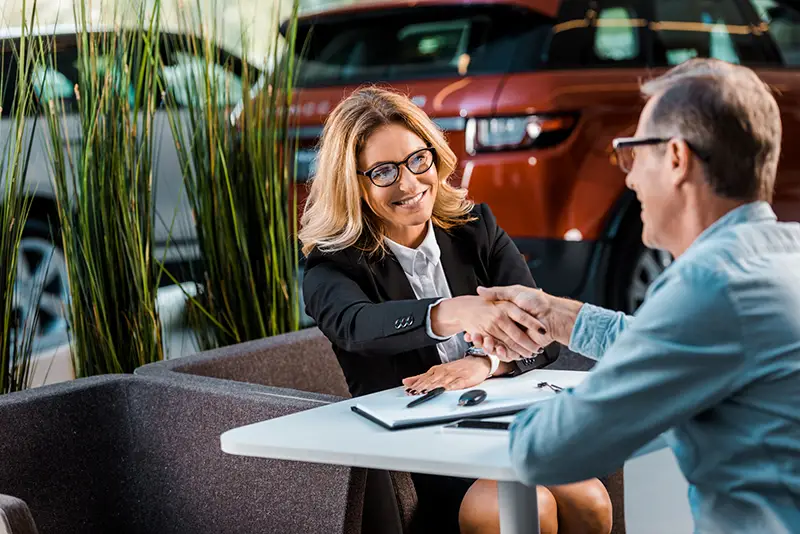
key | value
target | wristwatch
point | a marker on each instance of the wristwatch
(535, 362)
(494, 360)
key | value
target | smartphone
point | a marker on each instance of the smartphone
(477, 424)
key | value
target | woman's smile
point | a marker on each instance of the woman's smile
(412, 202)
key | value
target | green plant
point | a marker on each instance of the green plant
(239, 177)
(16, 332)
(104, 193)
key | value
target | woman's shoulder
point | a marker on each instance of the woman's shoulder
(480, 222)
(347, 257)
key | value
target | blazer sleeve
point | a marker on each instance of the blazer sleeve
(507, 267)
(351, 321)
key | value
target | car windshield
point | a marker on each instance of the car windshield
(423, 42)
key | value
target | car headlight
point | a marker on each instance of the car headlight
(494, 134)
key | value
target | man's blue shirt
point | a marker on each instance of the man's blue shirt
(711, 359)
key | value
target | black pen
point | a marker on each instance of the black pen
(428, 396)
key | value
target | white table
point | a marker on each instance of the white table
(333, 434)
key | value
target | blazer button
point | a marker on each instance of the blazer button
(410, 321)
(397, 324)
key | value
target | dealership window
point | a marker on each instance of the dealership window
(784, 27)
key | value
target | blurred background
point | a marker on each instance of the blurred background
(253, 16)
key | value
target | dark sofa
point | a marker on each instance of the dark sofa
(132, 454)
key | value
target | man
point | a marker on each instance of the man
(712, 357)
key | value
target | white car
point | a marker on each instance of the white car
(38, 247)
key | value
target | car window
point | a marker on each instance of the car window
(184, 77)
(616, 37)
(597, 34)
(182, 74)
(419, 42)
(784, 28)
(51, 84)
(56, 78)
(685, 29)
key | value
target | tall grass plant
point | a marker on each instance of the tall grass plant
(17, 332)
(103, 142)
(238, 167)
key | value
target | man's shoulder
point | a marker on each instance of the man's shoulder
(738, 258)
(740, 248)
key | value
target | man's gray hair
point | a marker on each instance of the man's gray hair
(729, 115)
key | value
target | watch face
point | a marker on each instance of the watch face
(475, 351)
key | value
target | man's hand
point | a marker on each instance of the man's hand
(460, 374)
(500, 320)
(557, 315)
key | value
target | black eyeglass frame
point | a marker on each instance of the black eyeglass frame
(629, 142)
(397, 164)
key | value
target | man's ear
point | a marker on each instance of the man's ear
(679, 158)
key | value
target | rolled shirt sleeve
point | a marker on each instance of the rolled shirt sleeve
(679, 356)
(596, 329)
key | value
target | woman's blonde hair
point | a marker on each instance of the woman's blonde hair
(335, 215)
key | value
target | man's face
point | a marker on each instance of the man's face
(652, 178)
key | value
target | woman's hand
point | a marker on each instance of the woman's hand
(501, 320)
(460, 374)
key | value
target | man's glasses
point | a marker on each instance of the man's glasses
(625, 149)
(386, 173)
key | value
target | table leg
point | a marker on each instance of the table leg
(519, 513)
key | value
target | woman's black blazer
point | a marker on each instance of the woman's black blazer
(368, 311)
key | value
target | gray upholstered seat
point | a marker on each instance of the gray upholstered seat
(305, 361)
(302, 360)
(15, 517)
(134, 454)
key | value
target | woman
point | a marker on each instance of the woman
(394, 257)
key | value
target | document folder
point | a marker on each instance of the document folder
(504, 397)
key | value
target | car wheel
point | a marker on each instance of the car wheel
(634, 266)
(41, 290)
(646, 268)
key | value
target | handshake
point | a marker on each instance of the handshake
(512, 322)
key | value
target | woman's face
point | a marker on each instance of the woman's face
(406, 205)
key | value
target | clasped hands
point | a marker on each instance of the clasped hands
(509, 322)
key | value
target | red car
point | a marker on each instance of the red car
(531, 94)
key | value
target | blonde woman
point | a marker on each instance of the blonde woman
(394, 258)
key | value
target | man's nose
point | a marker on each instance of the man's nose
(629, 181)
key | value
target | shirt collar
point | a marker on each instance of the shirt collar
(428, 251)
(758, 211)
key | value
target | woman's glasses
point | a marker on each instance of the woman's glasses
(386, 173)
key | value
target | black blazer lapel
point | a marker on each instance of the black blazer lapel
(391, 280)
(457, 264)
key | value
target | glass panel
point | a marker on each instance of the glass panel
(784, 27)
(684, 29)
(49, 84)
(185, 79)
(616, 37)
(425, 42)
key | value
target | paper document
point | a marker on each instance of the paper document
(504, 396)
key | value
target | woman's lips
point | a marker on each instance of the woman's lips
(411, 202)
